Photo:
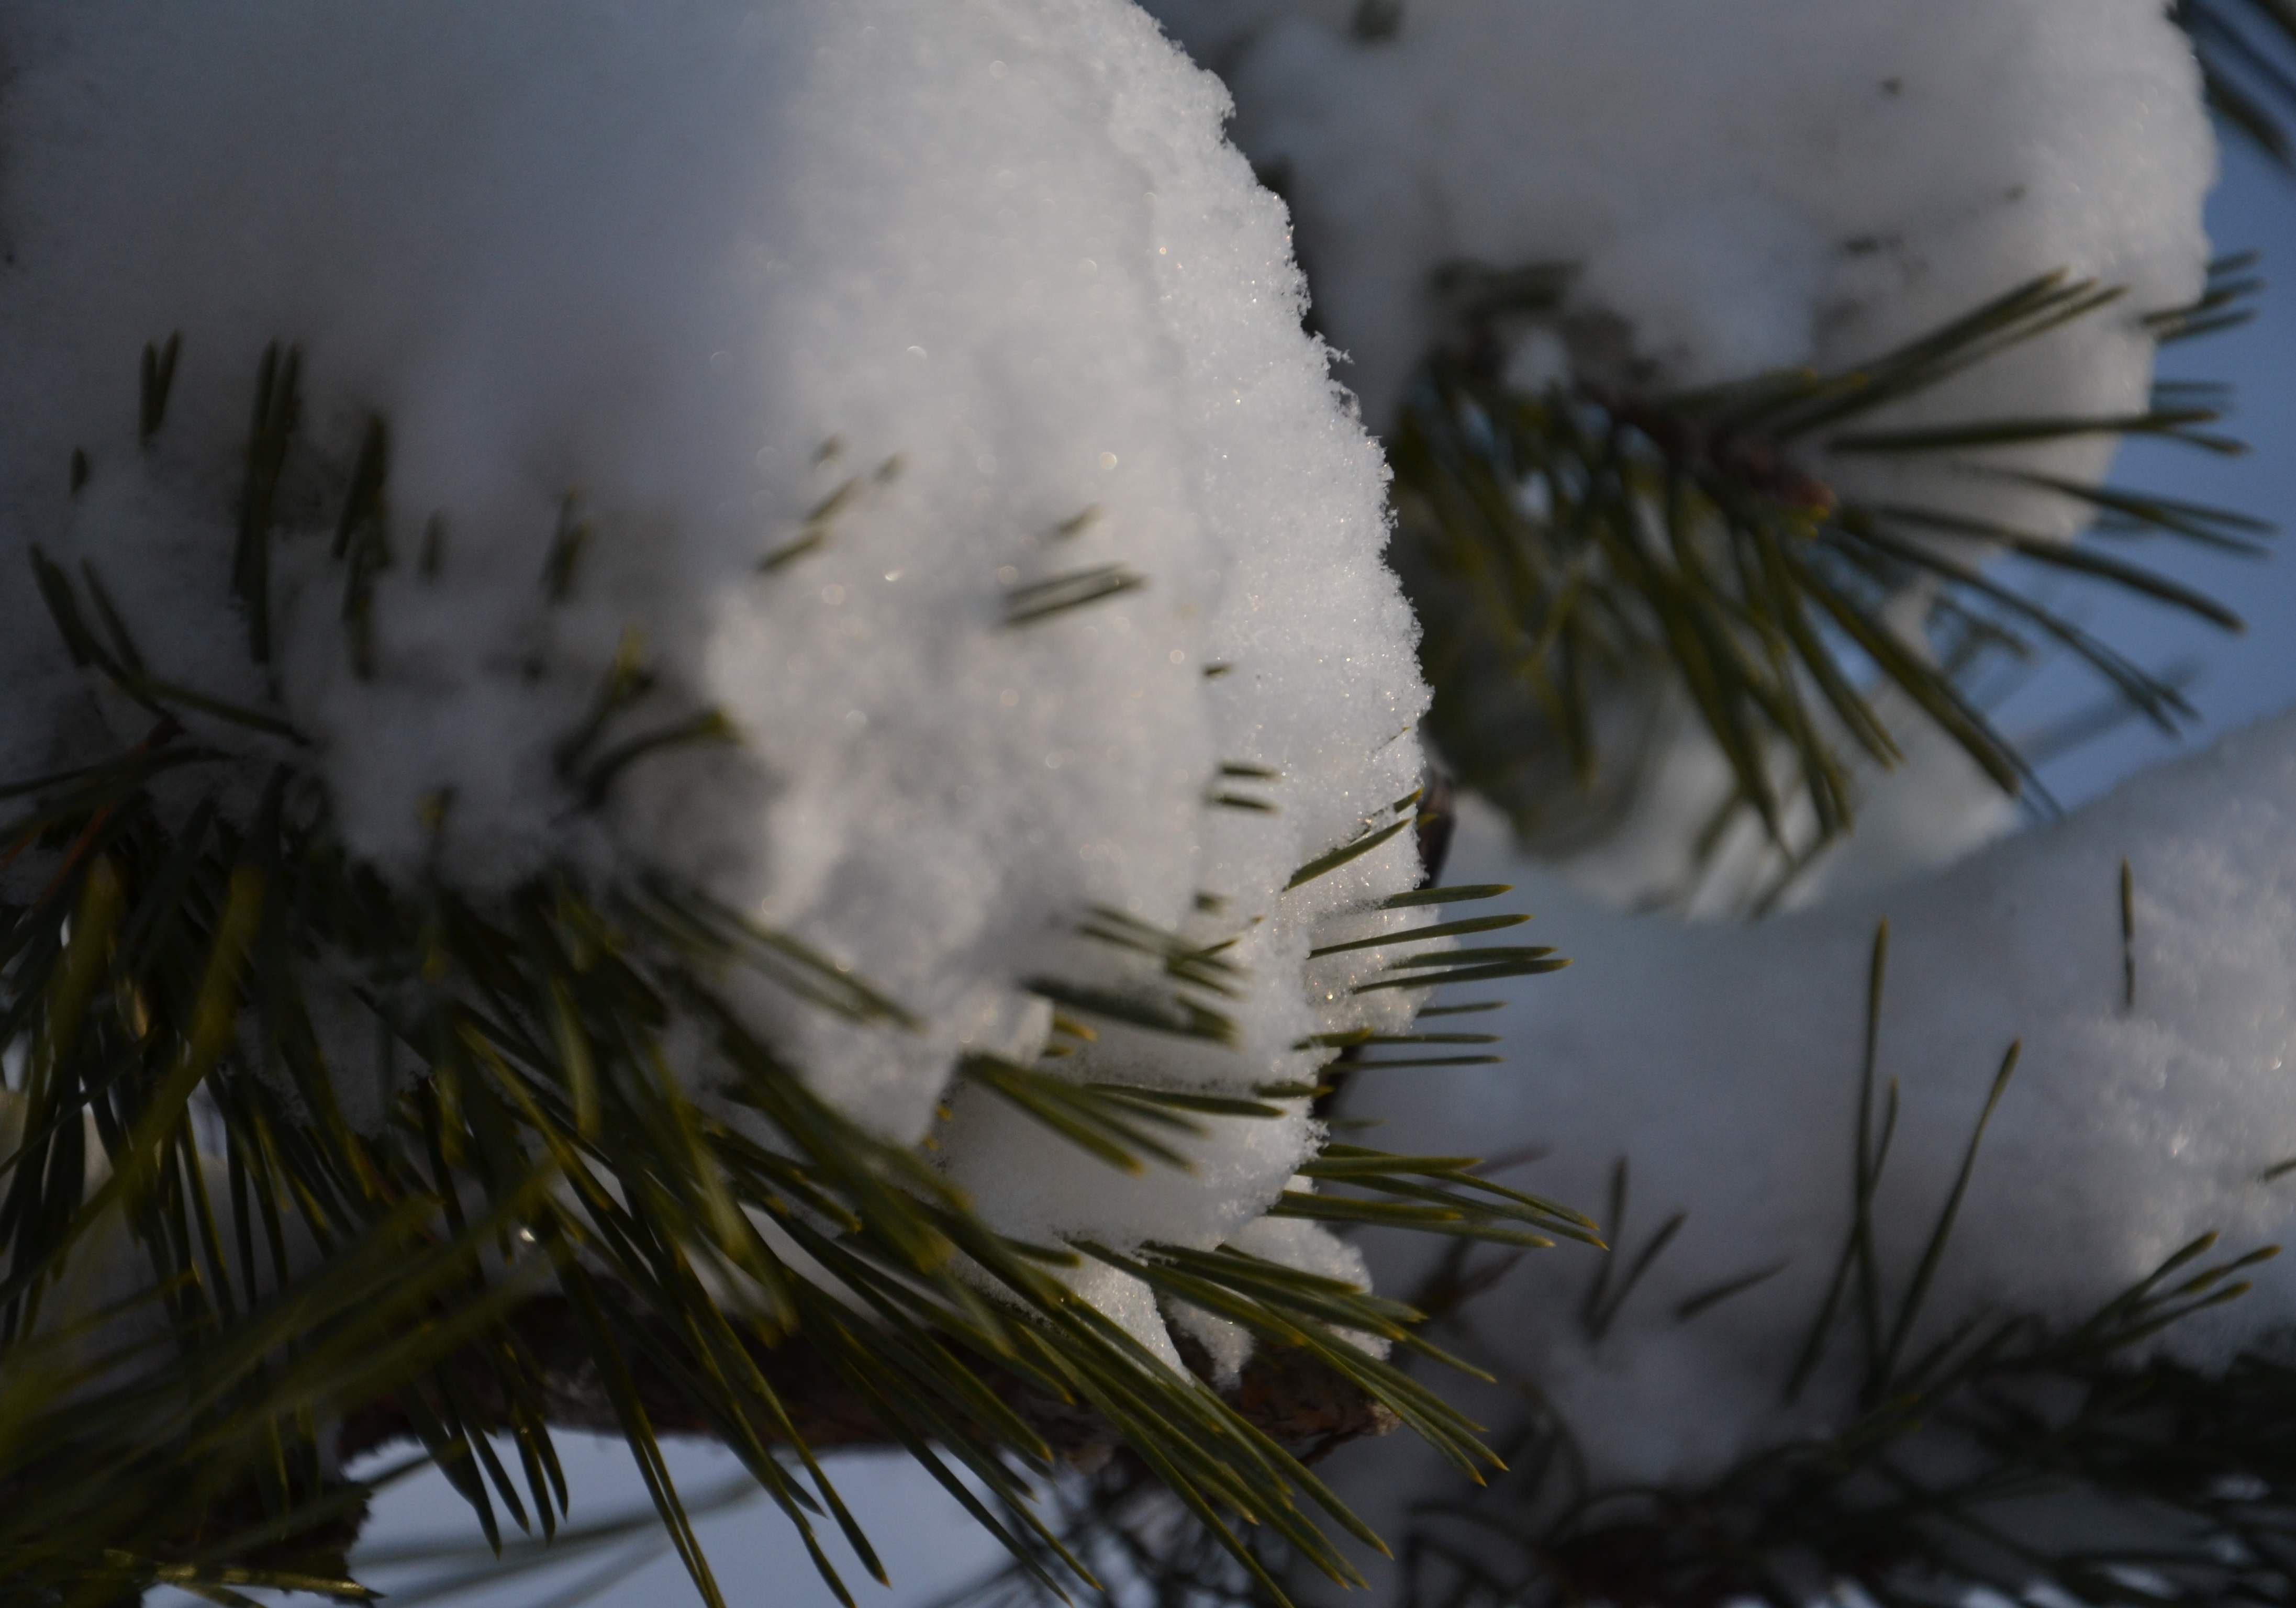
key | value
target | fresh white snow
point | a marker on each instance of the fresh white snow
(1740, 188)
(1724, 1064)
(935, 302)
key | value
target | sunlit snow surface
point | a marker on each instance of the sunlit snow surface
(1739, 188)
(833, 338)
(1724, 1064)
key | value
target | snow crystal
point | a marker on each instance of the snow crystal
(1129, 1304)
(1825, 179)
(1723, 1065)
(813, 349)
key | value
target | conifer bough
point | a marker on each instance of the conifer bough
(1711, 394)
(1995, 1347)
(709, 746)
(753, 796)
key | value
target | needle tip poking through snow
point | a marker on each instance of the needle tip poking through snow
(1723, 1065)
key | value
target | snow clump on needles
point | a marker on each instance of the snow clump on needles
(1736, 189)
(2149, 1105)
(917, 385)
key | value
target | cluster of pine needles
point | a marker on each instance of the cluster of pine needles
(1576, 552)
(208, 1264)
(1563, 546)
(1977, 1453)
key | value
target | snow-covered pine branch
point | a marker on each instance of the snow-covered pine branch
(787, 709)
(1793, 199)
(1887, 276)
(2149, 1106)
(792, 665)
(829, 349)
(1831, 180)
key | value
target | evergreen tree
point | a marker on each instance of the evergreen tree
(773, 791)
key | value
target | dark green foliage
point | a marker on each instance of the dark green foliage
(2181, 1485)
(205, 1259)
(2001, 1454)
(1581, 555)
(1957, 1465)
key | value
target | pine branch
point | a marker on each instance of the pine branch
(2153, 1481)
(1575, 551)
(216, 1288)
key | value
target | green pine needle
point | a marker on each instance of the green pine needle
(1578, 551)
(164, 993)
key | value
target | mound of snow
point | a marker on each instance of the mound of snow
(1740, 188)
(1723, 1065)
(917, 384)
